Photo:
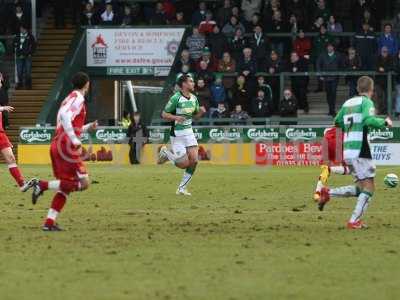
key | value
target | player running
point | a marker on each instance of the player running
(8, 155)
(181, 108)
(333, 147)
(355, 118)
(65, 151)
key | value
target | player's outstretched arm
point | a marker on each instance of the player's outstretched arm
(6, 108)
(200, 113)
(370, 119)
(171, 117)
(90, 126)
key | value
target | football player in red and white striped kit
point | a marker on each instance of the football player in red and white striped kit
(65, 151)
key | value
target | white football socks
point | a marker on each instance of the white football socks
(344, 191)
(341, 170)
(361, 206)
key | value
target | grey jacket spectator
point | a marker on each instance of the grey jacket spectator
(250, 7)
(230, 28)
(196, 42)
(240, 115)
(330, 62)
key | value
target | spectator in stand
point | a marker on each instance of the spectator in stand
(237, 44)
(236, 13)
(322, 10)
(294, 25)
(397, 70)
(220, 113)
(297, 8)
(218, 93)
(270, 7)
(240, 93)
(205, 73)
(255, 21)
(108, 16)
(179, 19)
(247, 64)
(369, 19)
(137, 14)
(299, 83)
(127, 18)
(302, 45)
(206, 26)
(206, 57)
(288, 105)
(185, 60)
(261, 107)
(169, 9)
(357, 11)
(232, 26)
(196, 42)
(203, 94)
(217, 42)
(384, 64)
(320, 43)
(4, 86)
(330, 61)
(259, 44)
(334, 27)
(88, 16)
(396, 24)
(24, 45)
(200, 14)
(365, 45)
(18, 19)
(239, 115)
(250, 7)
(274, 66)
(389, 40)
(352, 63)
(227, 65)
(277, 26)
(224, 13)
(159, 16)
(316, 26)
(136, 129)
(266, 88)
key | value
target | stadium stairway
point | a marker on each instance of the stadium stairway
(52, 46)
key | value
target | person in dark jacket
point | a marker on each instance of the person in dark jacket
(330, 61)
(203, 94)
(365, 45)
(88, 15)
(259, 44)
(137, 134)
(352, 63)
(236, 44)
(18, 19)
(384, 64)
(4, 86)
(217, 42)
(260, 106)
(247, 64)
(25, 45)
(240, 93)
(299, 83)
(274, 66)
(288, 105)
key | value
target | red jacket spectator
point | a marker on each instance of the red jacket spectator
(169, 9)
(206, 26)
(212, 64)
(302, 46)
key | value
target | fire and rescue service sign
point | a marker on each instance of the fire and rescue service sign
(132, 47)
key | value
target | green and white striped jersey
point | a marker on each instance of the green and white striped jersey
(355, 118)
(179, 105)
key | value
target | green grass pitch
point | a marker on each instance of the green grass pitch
(246, 233)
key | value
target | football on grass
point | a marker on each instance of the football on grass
(391, 180)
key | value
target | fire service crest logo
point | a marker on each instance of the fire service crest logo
(99, 50)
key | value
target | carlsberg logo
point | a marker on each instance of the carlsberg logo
(257, 134)
(32, 136)
(104, 135)
(156, 135)
(300, 134)
(378, 134)
(198, 134)
(222, 135)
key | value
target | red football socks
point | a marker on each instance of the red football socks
(56, 207)
(16, 174)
